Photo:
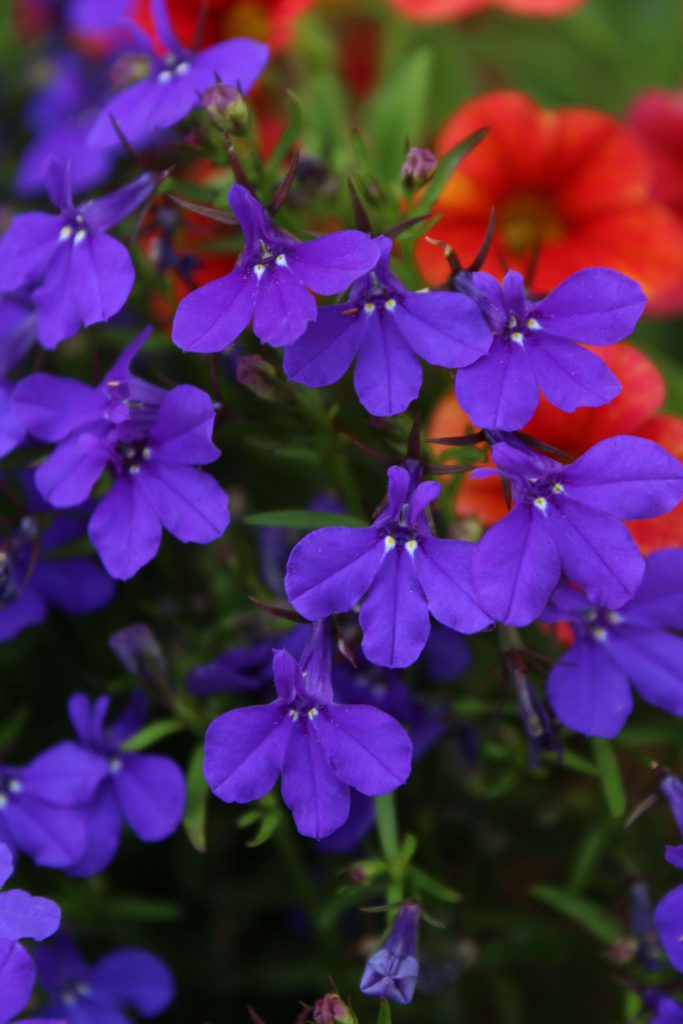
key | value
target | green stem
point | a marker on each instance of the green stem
(389, 841)
(290, 852)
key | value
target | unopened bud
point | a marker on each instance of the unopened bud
(227, 108)
(418, 167)
(331, 1010)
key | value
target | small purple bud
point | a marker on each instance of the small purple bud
(139, 652)
(392, 972)
(331, 1010)
(418, 167)
(227, 108)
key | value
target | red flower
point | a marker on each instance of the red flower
(657, 119)
(442, 10)
(271, 20)
(573, 183)
(634, 411)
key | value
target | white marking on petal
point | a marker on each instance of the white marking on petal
(80, 237)
(146, 452)
(600, 634)
(390, 305)
(293, 714)
(15, 785)
(66, 233)
(312, 713)
(389, 543)
(541, 504)
(411, 547)
(115, 765)
(533, 324)
(3, 801)
(614, 618)
(134, 469)
(281, 260)
(369, 307)
(259, 270)
(182, 68)
(512, 323)
(165, 76)
(558, 489)
(517, 337)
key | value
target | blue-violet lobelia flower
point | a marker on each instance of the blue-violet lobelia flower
(175, 82)
(386, 328)
(40, 805)
(533, 344)
(145, 790)
(23, 916)
(666, 1010)
(590, 686)
(320, 748)
(667, 918)
(567, 519)
(392, 972)
(152, 441)
(270, 283)
(104, 992)
(83, 275)
(405, 571)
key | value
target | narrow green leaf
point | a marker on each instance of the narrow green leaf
(266, 829)
(152, 733)
(290, 135)
(194, 821)
(433, 886)
(607, 765)
(589, 915)
(384, 1015)
(399, 110)
(302, 519)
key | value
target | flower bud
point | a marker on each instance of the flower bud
(418, 167)
(392, 972)
(227, 108)
(331, 1010)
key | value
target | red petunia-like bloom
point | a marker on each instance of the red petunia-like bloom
(572, 185)
(270, 20)
(635, 411)
(444, 10)
(657, 119)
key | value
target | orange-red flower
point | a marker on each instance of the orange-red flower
(657, 119)
(271, 20)
(634, 411)
(573, 184)
(443, 10)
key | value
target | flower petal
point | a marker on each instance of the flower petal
(318, 800)
(124, 530)
(330, 264)
(652, 660)
(388, 375)
(444, 568)
(244, 750)
(189, 503)
(500, 389)
(597, 305)
(569, 376)
(151, 792)
(284, 307)
(211, 317)
(329, 570)
(589, 692)
(326, 349)
(27, 917)
(364, 747)
(394, 617)
(135, 978)
(443, 328)
(53, 407)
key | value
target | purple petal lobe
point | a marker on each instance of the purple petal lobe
(189, 503)
(318, 800)
(108, 211)
(364, 747)
(500, 389)
(589, 692)
(65, 774)
(597, 305)
(284, 307)
(53, 837)
(330, 264)
(124, 530)
(388, 375)
(26, 249)
(103, 823)
(53, 407)
(17, 976)
(667, 919)
(151, 792)
(394, 617)
(69, 474)
(330, 569)
(652, 660)
(135, 978)
(659, 600)
(244, 751)
(570, 376)
(182, 429)
(326, 349)
(444, 568)
(444, 328)
(27, 917)
(210, 318)
(516, 567)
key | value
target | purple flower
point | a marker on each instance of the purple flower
(23, 916)
(34, 577)
(566, 519)
(671, 788)
(241, 669)
(405, 571)
(151, 440)
(17, 978)
(320, 748)
(392, 972)
(666, 1010)
(145, 790)
(270, 283)
(170, 91)
(387, 327)
(12, 430)
(39, 804)
(668, 919)
(83, 275)
(104, 992)
(590, 686)
(61, 116)
(17, 329)
(533, 344)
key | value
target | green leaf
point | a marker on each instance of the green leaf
(302, 519)
(398, 110)
(384, 1015)
(266, 829)
(610, 776)
(589, 915)
(152, 733)
(433, 886)
(290, 135)
(194, 821)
